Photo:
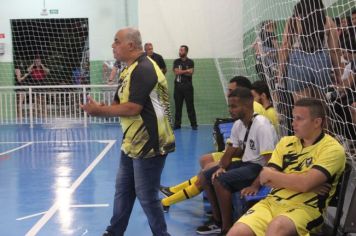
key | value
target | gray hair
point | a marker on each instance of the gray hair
(134, 36)
(148, 44)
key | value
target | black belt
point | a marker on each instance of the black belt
(183, 82)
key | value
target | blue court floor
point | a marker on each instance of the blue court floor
(60, 180)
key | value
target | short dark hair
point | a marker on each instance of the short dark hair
(316, 107)
(242, 93)
(241, 81)
(353, 11)
(337, 21)
(348, 42)
(267, 22)
(261, 87)
(185, 47)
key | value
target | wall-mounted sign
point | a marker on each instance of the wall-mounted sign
(53, 11)
(2, 35)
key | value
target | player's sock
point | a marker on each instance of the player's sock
(186, 193)
(183, 185)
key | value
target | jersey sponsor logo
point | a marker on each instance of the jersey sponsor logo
(252, 145)
(308, 161)
(249, 212)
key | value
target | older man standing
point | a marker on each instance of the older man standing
(142, 103)
(156, 57)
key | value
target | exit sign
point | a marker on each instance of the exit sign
(53, 11)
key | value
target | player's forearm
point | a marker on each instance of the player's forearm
(294, 182)
(113, 74)
(188, 72)
(256, 182)
(227, 157)
(117, 110)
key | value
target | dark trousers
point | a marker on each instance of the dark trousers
(184, 91)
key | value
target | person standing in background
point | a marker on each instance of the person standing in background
(156, 57)
(309, 51)
(37, 70)
(183, 68)
(265, 47)
(111, 70)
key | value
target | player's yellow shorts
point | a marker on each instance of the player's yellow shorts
(305, 218)
(218, 155)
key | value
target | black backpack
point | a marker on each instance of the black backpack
(221, 131)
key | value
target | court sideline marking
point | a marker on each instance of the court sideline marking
(48, 215)
(15, 149)
(70, 206)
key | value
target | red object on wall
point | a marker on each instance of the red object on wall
(2, 35)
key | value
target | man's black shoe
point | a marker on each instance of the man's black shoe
(165, 208)
(165, 190)
(210, 228)
(176, 127)
(107, 233)
(195, 127)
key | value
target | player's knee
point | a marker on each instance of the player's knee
(240, 229)
(217, 184)
(202, 179)
(281, 225)
(205, 159)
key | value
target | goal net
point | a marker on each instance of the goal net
(51, 69)
(313, 53)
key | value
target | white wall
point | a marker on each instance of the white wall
(209, 27)
(105, 17)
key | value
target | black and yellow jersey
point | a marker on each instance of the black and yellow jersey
(325, 155)
(272, 115)
(258, 108)
(148, 134)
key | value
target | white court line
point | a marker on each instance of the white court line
(30, 216)
(63, 141)
(15, 149)
(71, 206)
(89, 205)
(44, 219)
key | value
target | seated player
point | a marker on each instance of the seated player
(299, 166)
(261, 94)
(191, 188)
(254, 138)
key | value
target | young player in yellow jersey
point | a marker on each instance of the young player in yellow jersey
(300, 166)
(261, 94)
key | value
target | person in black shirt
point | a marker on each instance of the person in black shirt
(156, 57)
(183, 68)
